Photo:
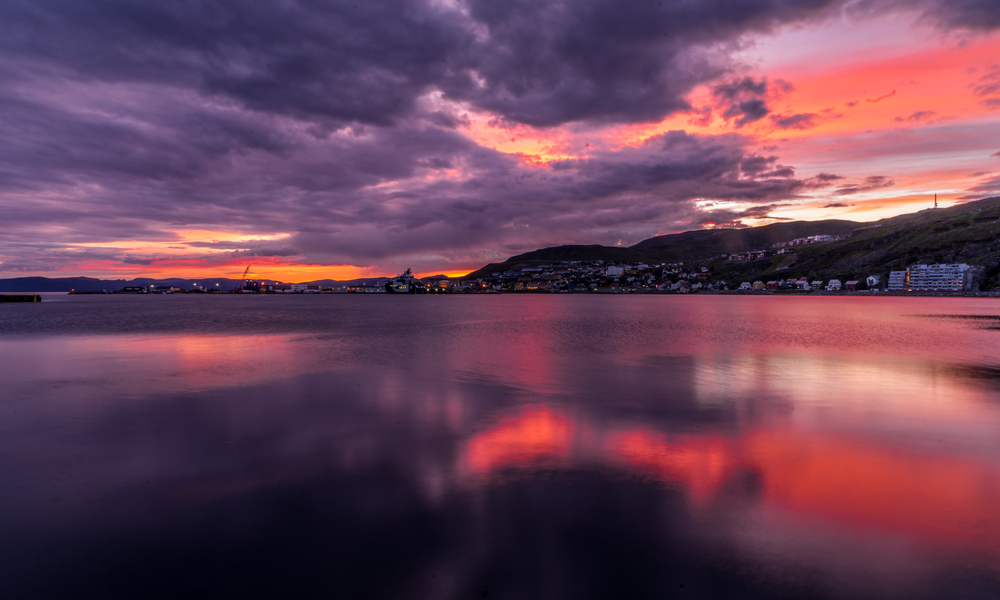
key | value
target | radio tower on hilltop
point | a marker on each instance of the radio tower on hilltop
(935, 200)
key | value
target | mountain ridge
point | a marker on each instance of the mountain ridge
(968, 232)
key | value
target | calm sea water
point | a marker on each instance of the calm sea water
(500, 446)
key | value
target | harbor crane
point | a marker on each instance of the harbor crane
(242, 279)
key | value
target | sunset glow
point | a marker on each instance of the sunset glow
(515, 151)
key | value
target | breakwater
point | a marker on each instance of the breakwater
(20, 298)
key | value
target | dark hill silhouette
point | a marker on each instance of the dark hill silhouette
(968, 232)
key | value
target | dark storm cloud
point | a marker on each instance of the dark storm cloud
(363, 194)
(745, 100)
(335, 121)
(540, 63)
(964, 14)
(507, 203)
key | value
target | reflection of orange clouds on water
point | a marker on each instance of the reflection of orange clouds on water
(835, 478)
(522, 441)
(938, 497)
(702, 463)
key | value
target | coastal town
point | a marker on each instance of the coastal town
(639, 278)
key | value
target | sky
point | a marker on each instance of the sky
(319, 139)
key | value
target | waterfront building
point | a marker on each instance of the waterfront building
(833, 286)
(897, 281)
(938, 278)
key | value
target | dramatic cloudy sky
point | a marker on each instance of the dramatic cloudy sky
(344, 138)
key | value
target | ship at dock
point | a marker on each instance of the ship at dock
(402, 284)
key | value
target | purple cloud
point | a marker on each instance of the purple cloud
(335, 122)
(800, 121)
(745, 100)
(917, 117)
(874, 182)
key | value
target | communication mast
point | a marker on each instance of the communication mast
(935, 200)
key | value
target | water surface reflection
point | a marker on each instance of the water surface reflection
(528, 447)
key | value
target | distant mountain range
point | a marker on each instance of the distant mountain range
(967, 233)
(89, 284)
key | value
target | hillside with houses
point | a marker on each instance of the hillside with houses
(782, 253)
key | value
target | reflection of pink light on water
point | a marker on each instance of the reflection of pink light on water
(832, 477)
(161, 363)
(864, 486)
(701, 463)
(525, 440)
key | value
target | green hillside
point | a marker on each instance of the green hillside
(710, 243)
(968, 233)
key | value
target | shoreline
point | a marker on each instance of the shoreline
(608, 292)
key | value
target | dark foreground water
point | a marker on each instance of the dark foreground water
(503, 447)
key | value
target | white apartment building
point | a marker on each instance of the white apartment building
(938, 278)
(897, 281)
